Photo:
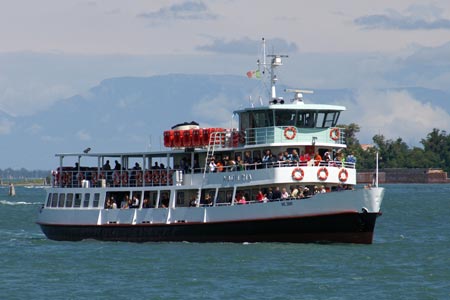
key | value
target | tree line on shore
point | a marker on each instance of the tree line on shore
(395, 153)
(392, 153)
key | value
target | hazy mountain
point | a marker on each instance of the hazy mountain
(131, 113)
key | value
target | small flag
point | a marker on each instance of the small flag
(254, 74)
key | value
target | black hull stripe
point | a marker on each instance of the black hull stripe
(340, 228)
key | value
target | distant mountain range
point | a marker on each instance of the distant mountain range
(130, 114)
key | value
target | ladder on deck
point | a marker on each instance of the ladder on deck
(215, 139)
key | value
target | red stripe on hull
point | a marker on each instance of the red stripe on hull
(337, 228)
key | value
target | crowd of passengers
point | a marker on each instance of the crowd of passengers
(282, 159)
(264, 195)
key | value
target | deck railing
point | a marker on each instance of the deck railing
(92, 177)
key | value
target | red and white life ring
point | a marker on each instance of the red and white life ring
(138, 178)
(94, 178)
(298, 174)
(335, 134)
(116, 178)
(124, 178)
(322, 173)
(343, 175)
(148, 177)
(290, 132)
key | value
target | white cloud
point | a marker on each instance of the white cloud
(394, 114)
(83, 135)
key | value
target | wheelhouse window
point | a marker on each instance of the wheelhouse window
(306, 119)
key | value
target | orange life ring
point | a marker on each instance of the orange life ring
(80, 177)
(124, 178)
(94, 176)
(116, 178)
(297, 174)
(335, 134)
(322, 173)
(139, 178)
(343, 175)
(148, 177)
(156, 177)
(164, 178)
(66, 178)
(241, 137)
(290, 132)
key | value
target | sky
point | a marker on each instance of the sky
(52, 49)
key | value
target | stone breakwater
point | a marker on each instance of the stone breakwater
(403, 175)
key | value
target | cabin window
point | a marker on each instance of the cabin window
(224, 197)
(77, 202)
(54, 199)
(164, 199)
(49, 200)
(87, 196)
(62, 199)
(96, 199)
(69, 200)
(149, 200)
(180, 199)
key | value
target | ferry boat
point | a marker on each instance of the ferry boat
(277, 177)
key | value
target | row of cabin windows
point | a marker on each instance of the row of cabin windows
(70, 200)
(300, 119)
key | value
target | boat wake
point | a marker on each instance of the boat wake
(6, 202)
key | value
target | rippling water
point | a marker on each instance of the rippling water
(409, 259)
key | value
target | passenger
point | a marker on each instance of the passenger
(135, 202)
(161, 166)
(260, 196)
(146, 203)
(137, 167)
(287, 157)
(125, 204)
(327, 157)
(108, 203)
(281, 159)
(240, 166)
(284, 194)
(294, 192)
(294, 157)
(117, 167)
(267, 158)
(155, 166)
(219, 165)
(316, 190)
(248, 160)
(277, 194)
(193, 202)
(242, 200)
(113, 203)
(212, 165)
(106, 166)
(306, 192)
(322, 189)
(270, 194)
(317, 159)
(165, 201)
(208, 200)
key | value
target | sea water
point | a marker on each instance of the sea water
(409, 259)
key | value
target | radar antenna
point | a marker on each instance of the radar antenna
(298, 94)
